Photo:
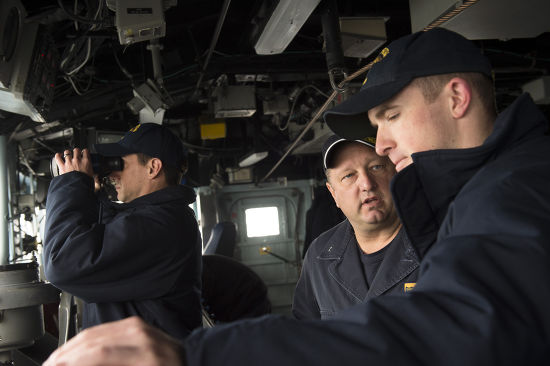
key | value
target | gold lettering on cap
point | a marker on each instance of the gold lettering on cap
(379, 58)
(134, 129)
(370, 140)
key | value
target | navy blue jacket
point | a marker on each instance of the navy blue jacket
(482, 296)
(140, 258)
(332, 276)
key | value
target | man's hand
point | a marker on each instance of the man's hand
(75, 160)
(125, 342)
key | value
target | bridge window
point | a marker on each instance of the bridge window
(262, 221)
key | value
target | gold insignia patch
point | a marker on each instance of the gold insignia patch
(379, 58)
(370, 140)
(408, 286)
(134, 129)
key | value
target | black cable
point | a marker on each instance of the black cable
(89, 10)
(123, 69)
(213, 42)
(212, 149)
(78, 18)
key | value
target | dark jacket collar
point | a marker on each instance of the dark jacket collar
(168, 194)
(423, 191)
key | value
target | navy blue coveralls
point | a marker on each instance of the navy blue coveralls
(332, 276)
(138, 258)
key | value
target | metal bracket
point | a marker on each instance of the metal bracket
(332, 73)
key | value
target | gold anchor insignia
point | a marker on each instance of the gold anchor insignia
(379, 58)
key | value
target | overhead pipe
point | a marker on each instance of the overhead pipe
(333, 44)
(4, 202)
(155, 47)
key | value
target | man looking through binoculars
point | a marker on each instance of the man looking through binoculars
(138, 257)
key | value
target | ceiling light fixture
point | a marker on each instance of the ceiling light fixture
(252, 158)
(283, 25)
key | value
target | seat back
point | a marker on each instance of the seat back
(222, 239)
(231, 290)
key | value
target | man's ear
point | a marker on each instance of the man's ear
(154, 167)
(460, 93)
(331, 190)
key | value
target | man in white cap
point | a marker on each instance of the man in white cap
(369, 253)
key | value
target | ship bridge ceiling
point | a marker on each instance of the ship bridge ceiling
(197, 68)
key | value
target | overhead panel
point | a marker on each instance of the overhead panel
(139, 20)
(234, 101)
(213, 130)
(28, 67)
(361, 36)
(321, 133)
(486, 19)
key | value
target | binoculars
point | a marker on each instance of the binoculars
(101, 165)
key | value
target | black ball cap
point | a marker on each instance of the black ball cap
(434, 52)
(148, 138)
